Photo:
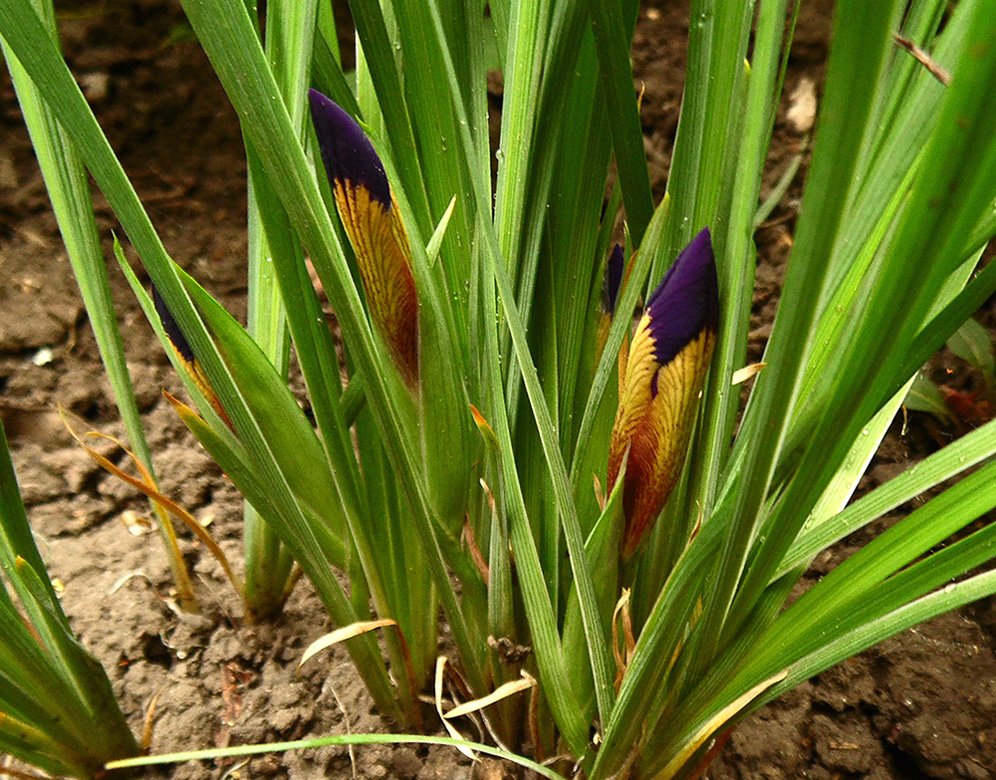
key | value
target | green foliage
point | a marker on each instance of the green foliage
(396, 486)
(69, 191)
(973, 344)
(57, 710)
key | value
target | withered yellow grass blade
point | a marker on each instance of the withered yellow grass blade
(622, 660)
(341, 635)
(438, 701)
(436, 241)
(526, 682)
(147, 487)
(743, 374)
(362, 627)
(184, 587)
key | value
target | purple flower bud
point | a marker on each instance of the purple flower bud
(186, 355)
(686, 300)
(659, 387)
(172, 328)
(372, 221)
(612, 283)
(346, 151)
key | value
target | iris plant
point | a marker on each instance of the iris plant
(492, 372)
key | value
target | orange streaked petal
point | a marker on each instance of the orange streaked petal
(659, 387)
(634, 394)
(373, 223)
(382, 253)
(659, 443)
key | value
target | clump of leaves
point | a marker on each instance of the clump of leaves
(450, 460)
(57, 709)
(967, 403)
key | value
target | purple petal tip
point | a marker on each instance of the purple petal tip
(687, 300)
(613, 279)
(172, 327)
(346, 151)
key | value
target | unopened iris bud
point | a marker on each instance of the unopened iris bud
(611, 286)
(372, 221)
(660, 386)
(612, 282)
(186, 355)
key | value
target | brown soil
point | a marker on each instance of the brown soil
(922, 705)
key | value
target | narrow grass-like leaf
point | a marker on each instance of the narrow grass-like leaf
(597, 645)
(972, 343)
(936, 221)
(554, 673)
(624, 119)
(289, 35)
(839, 600)
(736, 262)
(66, 182)
(339, 739)
(714, 724)
(286, 429)
(853, 70)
